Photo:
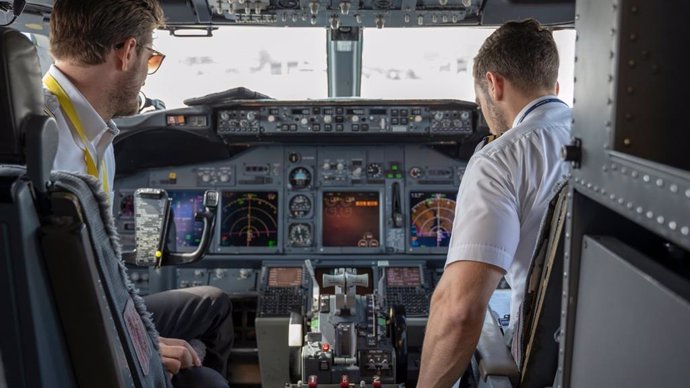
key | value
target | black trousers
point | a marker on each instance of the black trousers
(202, 313)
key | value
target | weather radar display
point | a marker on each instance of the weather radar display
(431, 218)
(249, 219)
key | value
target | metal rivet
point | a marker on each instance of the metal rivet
(646, 178)
(631, 64)
(634, 174)
(624, 170)
(621, 201)
(687, 193)
(626, 142)
(685, 230)
(673, 188)
(589, 186)
(660, 220)
(629, 205)
(672, 225)
(613, 166)
(639, 210)
(660, 182)
(650, 214)
(604, 169)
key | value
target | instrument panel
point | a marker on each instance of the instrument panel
(286, 200)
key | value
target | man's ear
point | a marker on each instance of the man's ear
(124, 56)
(558, 87)
(495, 85)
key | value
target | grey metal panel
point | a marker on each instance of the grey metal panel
(274, 352)
(652, 77)
(634, 333)
(614, 105)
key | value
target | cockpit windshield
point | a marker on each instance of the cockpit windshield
(286, 64)
(434, 63)
(437, 63)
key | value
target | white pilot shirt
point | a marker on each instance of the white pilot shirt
(70, 156)
(505, 194)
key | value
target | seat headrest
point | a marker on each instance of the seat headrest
(21, 92)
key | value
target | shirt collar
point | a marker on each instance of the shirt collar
(527, 107)
(93, 124)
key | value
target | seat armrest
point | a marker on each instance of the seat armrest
(493, 356)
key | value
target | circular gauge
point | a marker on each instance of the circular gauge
(432, 219)
(249, 219)
(374, 170)
(300, 206)
(127, 206)
(299, 235)
(300, 178)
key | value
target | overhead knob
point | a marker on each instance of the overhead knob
(314, 7)
(340, 166)
(344, 7)
(380, 22)
(335, 22)
(304, 121)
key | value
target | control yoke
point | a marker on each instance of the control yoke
(152, 223)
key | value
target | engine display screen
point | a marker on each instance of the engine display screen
(249, 219)
(351, 219)
(285, 277)
(431, 218)
(184, 204)
(403, 277)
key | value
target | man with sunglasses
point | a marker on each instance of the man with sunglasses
(103, 53)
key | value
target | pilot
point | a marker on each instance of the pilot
(103, 53)
(503, 196)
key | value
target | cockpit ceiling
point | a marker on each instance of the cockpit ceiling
(200, 17)
(363, 13)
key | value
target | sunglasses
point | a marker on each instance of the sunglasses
(155, 60)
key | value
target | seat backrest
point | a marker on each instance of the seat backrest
(69, 315)
(32, 343)
(535, 347)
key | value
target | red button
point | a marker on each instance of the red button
(344, 381)
(326, 347)
(312, 381)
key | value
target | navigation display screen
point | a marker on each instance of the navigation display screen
(351, 219)
(403, 277)
(249, 219)
(184, 204)
(431, 218)
(285, 277)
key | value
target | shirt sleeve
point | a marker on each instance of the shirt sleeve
(486, 227)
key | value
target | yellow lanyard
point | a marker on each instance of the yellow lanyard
(66, 104)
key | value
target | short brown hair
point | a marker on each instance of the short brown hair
(522, 52)
(86, 30)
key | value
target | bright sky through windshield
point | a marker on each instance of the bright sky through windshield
(290, 63)
(437, 62)
(286, 63)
